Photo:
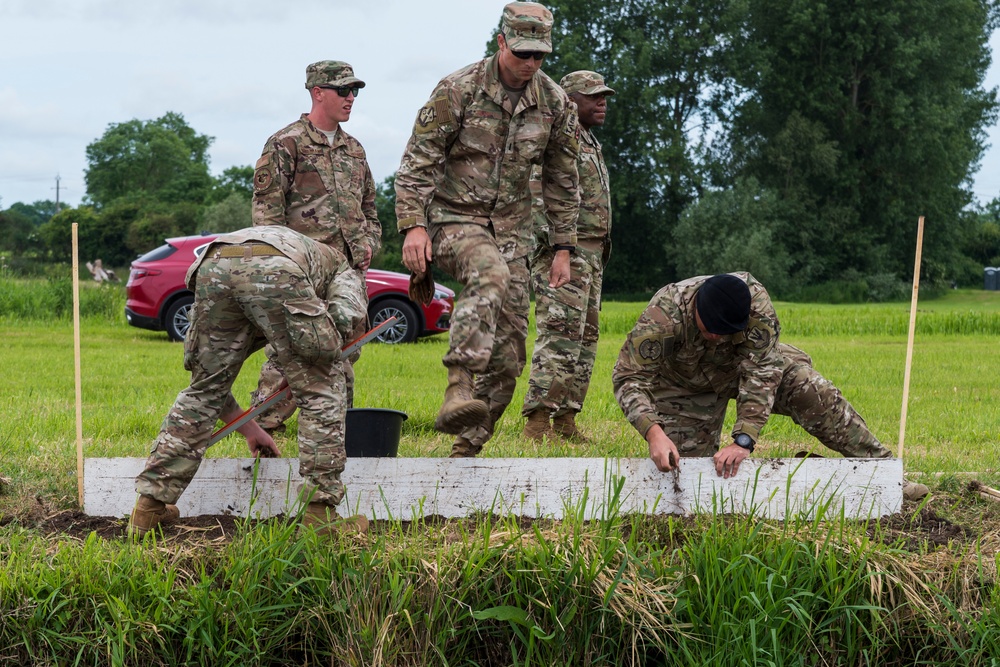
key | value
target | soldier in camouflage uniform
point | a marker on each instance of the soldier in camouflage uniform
(705, 340)
(567, 318)
(255, 286)
(462, 201)
(314, 178)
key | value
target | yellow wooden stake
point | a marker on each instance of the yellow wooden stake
(909, 338)
(76, 365)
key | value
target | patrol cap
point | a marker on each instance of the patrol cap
(527, 26)
(585, 82)
(723, 304)
(331, 73)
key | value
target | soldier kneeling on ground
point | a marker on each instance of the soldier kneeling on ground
(256, 286)
(709, 339)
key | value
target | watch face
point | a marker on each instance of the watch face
(744, 440)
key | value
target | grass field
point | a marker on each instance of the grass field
(919, 588)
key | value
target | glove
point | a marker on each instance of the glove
(421, 288)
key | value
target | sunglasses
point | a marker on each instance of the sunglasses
(344, 91)
(524, 55)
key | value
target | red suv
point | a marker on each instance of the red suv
(158, 299)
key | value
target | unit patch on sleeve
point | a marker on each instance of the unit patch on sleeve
(651, 348)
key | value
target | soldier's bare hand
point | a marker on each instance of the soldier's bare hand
(367, 261)
(728, 460)
(417, 250)
(559, 275)
(262, 445)
(662, 449)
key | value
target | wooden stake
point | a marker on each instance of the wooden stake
(909, 337)
(76, 365)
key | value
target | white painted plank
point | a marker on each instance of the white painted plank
(405, 488)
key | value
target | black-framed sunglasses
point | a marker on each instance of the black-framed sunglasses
(344, 91)
(524, 55)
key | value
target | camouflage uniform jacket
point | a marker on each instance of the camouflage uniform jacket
(325, 192)
(332, 278)
(470, 156)
(666, 349)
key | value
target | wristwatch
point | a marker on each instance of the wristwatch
(745, 441)
(564, 246)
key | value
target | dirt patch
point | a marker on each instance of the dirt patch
(920, 527)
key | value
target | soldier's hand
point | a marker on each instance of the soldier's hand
(559, 275)
(417, 250)
(262, 445)
(367, 261)
(662, 449)
(728, 460)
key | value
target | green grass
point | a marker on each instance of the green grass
(641, 590)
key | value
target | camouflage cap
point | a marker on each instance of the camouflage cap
(527, 26)
(331, 73)
(585, 82)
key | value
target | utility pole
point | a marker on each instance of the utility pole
(57, 192)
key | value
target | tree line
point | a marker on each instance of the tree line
(794, 139)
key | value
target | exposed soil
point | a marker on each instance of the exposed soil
(957, 517)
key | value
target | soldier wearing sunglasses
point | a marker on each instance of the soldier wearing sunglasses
(462, 201)
(314, 178)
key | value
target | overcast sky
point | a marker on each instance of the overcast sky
(236, 71)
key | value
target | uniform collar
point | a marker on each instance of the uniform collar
(318, 136)
(494, 88)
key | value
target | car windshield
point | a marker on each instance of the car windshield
(201, 249)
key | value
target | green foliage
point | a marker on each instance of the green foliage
(234, 180)
(732, 230)
(863, 118)
(16, 231)
(232, 213)
(163, 159)
(390, 257)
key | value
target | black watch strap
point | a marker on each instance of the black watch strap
(564, 246)
(745, 441)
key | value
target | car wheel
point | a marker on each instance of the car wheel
(407, 325)
(178, 318)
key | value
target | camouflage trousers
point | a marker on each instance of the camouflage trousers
(495, 386)
(271, 378)
(238, 307)
(567, 321)
(694, 422)
(469, 253)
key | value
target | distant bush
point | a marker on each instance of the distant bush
(52, 298)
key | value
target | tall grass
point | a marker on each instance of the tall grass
(623, 590)
(626, 590)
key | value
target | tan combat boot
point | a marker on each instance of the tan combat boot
(537, 426)
(914, 492)
(326, 522)
(460, 411)
(565, 425)
(148, 514)
(464, 449)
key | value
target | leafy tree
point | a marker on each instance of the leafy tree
(668, 65)
(234, 180)
(162, 160)
(736, 229)
(16, 231)
(39, 212)
(390, 257)
(864, 117)
(57, 234)
(228, 215)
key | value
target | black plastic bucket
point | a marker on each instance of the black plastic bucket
(373, 432)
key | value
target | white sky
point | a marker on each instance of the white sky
(236, 71)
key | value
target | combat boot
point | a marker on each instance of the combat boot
(148, 514)
(537, 426)
(565, 425)
(460, 410)
(914, 492)
(325, 521)
(464, 449)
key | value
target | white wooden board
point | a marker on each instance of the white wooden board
(405, 488)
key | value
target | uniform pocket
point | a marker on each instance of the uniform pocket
(312, 334)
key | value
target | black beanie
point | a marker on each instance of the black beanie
(723, 303)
